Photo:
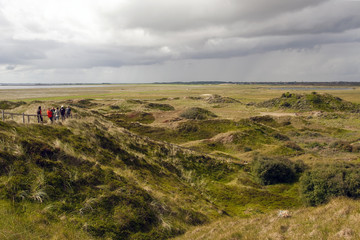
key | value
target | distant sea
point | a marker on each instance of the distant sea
(52, 86)
(310, 88)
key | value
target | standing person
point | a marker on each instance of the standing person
(57, 114)
(38, 114)
(50, 115)
(62, 113)
(68, 112)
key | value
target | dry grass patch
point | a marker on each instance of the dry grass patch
(336, 220)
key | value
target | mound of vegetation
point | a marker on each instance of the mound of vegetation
(84, 103)
(276, 170)
(135, 101)
(124, 119)
(247, 139)
(310, 102)
(10, 105)
(214, 98)
(197, 113)
(322, 183)
(159, 106)
(185, 131)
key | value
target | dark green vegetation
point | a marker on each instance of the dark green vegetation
(310, 102)
(276, 170)
(324, 182)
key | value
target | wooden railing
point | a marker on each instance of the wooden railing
(24, 116)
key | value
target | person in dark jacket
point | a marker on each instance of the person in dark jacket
(38, 114)
(68, 112)
(62, 113)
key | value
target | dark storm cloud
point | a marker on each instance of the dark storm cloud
(220, 29)
(168, 15)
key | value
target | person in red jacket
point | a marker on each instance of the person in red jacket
(50, 115)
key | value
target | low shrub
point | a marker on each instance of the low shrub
(272, 171)
(322, 183)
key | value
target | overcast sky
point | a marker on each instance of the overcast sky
(133, 41)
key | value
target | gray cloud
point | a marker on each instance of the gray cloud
(159, 34)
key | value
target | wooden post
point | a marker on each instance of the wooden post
(12, 116)
(24, 118)
(3, 115)
(28, 118)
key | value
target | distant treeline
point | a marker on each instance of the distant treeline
(50, 84)
(269, 83)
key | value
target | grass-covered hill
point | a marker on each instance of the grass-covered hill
(101, 181)
(89, 179)
(310, 102)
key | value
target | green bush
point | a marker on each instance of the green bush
(280, 170)
(320, 184)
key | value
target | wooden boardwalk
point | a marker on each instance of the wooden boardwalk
(25, 117)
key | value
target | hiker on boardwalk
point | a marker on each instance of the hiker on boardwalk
(38, 114)
(50, 115)
(68, 112)
(62, 113)
(57, 114)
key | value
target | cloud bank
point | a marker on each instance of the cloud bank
(169, 40)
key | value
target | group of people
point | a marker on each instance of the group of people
(54, 114)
